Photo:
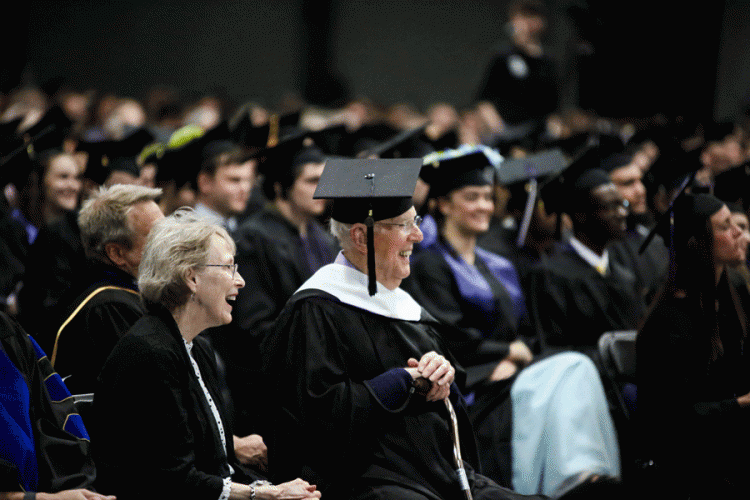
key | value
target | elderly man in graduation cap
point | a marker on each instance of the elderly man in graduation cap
(348, 348)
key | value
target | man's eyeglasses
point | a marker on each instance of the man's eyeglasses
(406, 227)
(231, 267)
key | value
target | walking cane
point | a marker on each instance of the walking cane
(422, 386)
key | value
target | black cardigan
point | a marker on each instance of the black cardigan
(154, 435)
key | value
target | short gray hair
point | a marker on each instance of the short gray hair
(103, 218)
(341, 231)
(175, 245)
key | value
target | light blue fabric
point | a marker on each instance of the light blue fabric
(561, 424)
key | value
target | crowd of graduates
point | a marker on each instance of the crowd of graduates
(534, 232)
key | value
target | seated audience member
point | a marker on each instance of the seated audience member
(579, 292)
(114, 224)
(473, 289)
(347, 348)
(278, 249)
(223, 182)
(479, 293)
(651, 265)
(524, 233)
(693, 375)
(176, 439)
(45, 446)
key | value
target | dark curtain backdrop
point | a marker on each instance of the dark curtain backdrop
(647, 57)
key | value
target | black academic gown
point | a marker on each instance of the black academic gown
(571, 304)
(154, 436)
(522, 88)
(62, 444)
(333, 429)
(479, 341)
(55, 261)
(96, 320)
(650, 267)
(689, 420)
(271, 258)
(14, 248)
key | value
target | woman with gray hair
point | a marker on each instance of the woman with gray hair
(161, 430)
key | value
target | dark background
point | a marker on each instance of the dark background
(649, 56)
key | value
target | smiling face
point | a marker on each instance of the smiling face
(216, 286)
(741, 221)
(610, 212)
(628, 180)
(727, 249)
(468, 209)
(62, 183)
(393, 248)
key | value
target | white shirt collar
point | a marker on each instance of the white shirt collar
(203, 210)
(600, 263)
(349, 285)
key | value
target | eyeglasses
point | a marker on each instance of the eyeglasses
(408, 226)
(232, 267)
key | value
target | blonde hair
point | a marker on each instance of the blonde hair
(176, 244)
(104, 216)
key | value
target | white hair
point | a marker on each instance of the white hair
(175, 245)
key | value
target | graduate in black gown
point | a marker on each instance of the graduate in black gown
(692, 371)
(159, 420)
(650, 266)
(114, 223)
(278, 248)
(580, 292)
(524, 232)
(347, 348)
(476, 291)
(45, 446)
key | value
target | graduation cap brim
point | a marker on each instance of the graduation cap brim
(396, 146)
(664, 221)
(535, 166)
(368, 190)
(367, 182)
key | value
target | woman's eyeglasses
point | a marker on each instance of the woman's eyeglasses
(231, 267)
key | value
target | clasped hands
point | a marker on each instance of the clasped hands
(435, 368)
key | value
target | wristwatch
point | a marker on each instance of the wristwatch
(259, 482)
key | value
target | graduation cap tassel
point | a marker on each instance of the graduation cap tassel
(528, 211)
(371, 281)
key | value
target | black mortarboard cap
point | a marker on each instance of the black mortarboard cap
(583, 173)
(368, 190)
(534, 166)
(50, 131)
(405, 144)
(182, 164)
(16, 163)
(365, 138)
(453, 169)
(278, 163)
(106, 156)
(525, 173)
(330, 139)
(448, 140)
(252, 138)
(733, 185)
